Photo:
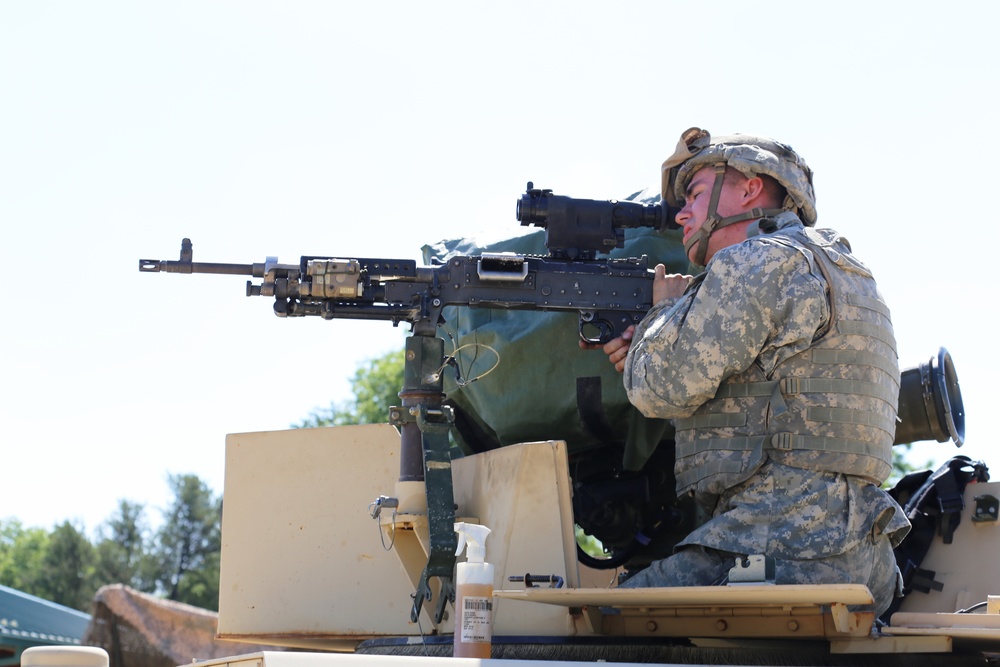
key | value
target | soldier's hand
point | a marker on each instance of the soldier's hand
(668, 286)
(616, 348)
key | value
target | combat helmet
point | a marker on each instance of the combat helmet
(750, 155)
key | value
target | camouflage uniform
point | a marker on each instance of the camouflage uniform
(778, 367)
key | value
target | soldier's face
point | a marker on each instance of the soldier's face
(695, 211)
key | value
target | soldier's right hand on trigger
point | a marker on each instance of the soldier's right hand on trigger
(617, 349)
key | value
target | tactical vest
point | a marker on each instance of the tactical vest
(829, 408)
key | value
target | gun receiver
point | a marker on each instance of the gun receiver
(609, 294)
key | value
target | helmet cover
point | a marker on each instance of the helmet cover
(751, 156)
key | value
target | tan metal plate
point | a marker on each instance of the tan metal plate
(969, 630)
(697, 596)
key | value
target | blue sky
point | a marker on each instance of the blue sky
(369, 129)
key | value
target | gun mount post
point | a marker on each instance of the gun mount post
(424, 424)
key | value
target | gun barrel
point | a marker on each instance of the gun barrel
(185, 265)
(158, 265)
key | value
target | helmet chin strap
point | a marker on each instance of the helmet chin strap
(713, 222)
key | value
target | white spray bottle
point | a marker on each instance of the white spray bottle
(473, 594)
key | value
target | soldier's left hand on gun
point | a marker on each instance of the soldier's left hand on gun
(665, 286)
(668, 286)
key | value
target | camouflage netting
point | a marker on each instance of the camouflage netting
(141, 630)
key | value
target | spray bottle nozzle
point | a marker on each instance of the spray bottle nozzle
(475, 536)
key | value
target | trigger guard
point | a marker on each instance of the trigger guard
(605, 331)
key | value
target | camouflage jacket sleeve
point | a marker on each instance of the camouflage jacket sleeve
(758, 302)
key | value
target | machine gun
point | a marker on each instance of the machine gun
(609, 295)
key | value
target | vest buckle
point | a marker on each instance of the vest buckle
(783, 441)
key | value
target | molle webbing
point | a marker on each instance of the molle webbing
(855, 328)
(783, 442)
(776, 441)
(787, 442)
(790, 387)
(862, 301)
(795, 385)
(853, 357)
(848, 416)
(869, 330)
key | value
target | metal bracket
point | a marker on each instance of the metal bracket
(532, 580)
(987, 509)
(434, 428)
(425, 418)
(754, 569)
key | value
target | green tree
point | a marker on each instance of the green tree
(67, 568)
(121, 549)
(902, 466)
(189, 543)
(375, 386)
(200, 587)
(21, 553)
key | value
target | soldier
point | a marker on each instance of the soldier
(778, 367)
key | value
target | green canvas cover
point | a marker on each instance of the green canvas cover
(544, 387)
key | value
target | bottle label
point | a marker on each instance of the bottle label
(476, 613)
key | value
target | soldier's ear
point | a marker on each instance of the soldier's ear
(752, 189)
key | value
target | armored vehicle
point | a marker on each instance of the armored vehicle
(339, 543)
